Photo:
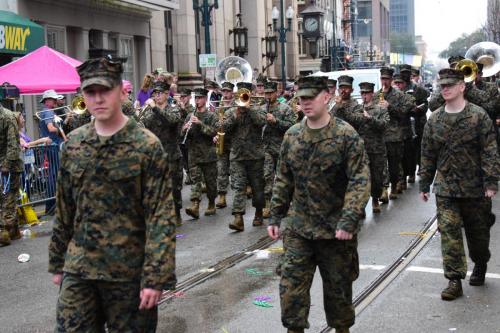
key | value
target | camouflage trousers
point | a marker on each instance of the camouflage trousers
(409, 158)
(418, 147)
(338, 265)
(203, 172)
(91, 305)
(243, 173)
(377, 164)
(177, 175)
(8, 202)
(223, 173)
(270, 163)
(394, 158)
(474, 214)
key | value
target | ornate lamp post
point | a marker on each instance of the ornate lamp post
(205, 9)
(271, 47)
(275, 14)
(240, 39)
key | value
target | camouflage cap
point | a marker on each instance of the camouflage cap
(415, 71)
(450, 76)
(200, 92)
(331, 83)
(246, 85)
(311, 86)
(100, 71)
(227, 86)
(404, 68)
(406, 75)
(454, 59)
(161, 86)
(397, 78)
(261, 79)
(386, 72)
(185, 92)
(366, 87)
(270, 87)
(345, 80)
(211, 85)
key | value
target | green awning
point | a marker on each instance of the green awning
(18, 35)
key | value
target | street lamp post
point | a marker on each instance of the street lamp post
(205, 8)
(282, 33)
(240, 39)
(271, 45)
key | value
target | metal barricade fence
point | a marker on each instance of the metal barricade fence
(38, 180)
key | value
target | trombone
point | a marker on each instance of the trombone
(77, 107)
(243, 98)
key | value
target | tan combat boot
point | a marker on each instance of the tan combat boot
(249, 192)
(394, 192)
(211, 208)
(194, 210)
(178, 218)
(221, 203)
(266, 212)
(4, 238)
(453, 291)
(342, 330)
(385, 196)
(375, 206)
(238, 223)
(258, 219)
(403, 185)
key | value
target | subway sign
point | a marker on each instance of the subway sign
(19, 35)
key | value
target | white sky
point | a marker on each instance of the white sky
(442, 21)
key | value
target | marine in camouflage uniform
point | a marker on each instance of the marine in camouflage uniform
(244, 125)
(11, 167)
(223, 162)
(201, 150)
(113, 241)
(321, 189)
(370, 121)
(280, 118)
(459, 154)
(165, 122)
(398, 105)
(74, 120)
(493, 105)
(344, 104)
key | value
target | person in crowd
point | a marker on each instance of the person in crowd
(321, 189)
(145, 92)
(460, 157)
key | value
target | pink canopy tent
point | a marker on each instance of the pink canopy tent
(43, 69)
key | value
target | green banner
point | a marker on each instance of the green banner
(19, 35)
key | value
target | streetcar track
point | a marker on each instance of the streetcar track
(369, 293)
(219, 267)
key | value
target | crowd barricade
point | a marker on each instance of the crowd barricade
(38, 181)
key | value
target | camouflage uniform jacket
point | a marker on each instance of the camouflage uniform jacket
(273, 133)
(322, 182)
(341, 110)
(10, 147)
(166, 125)
(199, 142)
(400, 106)
(462, 156)
(420, 94)
(186, 110)
(245, 128)
(75, 121)
(370, 129)
(471, 94)
(227, 137)
(493, 105)
(115, 218)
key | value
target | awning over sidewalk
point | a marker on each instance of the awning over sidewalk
(18, 35)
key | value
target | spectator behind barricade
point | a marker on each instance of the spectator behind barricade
(47, 126)
(145, 91)
(25, 140)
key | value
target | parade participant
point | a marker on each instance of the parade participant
(165, 122)
(198, 131)
(493, 107)
(398, 105)
(415, 76)
(244, 124)
(370, 121)
(280, 118)
(112, 249)
(332, 88)
(344, 103)
(223, 160)
(11, 167)
(214, 95)
(459, 154)
(320, 191)
(259, 86)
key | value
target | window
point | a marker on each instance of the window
(56, 38)
(126, 51)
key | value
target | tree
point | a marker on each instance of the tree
(460, 45)
(403, 43)
(493, 21)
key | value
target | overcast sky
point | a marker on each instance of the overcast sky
(442, 21)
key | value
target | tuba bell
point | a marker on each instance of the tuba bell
(487, 54)
(469, 68)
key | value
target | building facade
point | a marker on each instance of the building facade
(372, 33)
(402, 17)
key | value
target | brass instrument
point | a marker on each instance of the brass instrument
(381, 96)
(77, 107)
(487, 54)
(469, 68)
(219, 146)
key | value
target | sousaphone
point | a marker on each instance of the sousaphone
(487, 54)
